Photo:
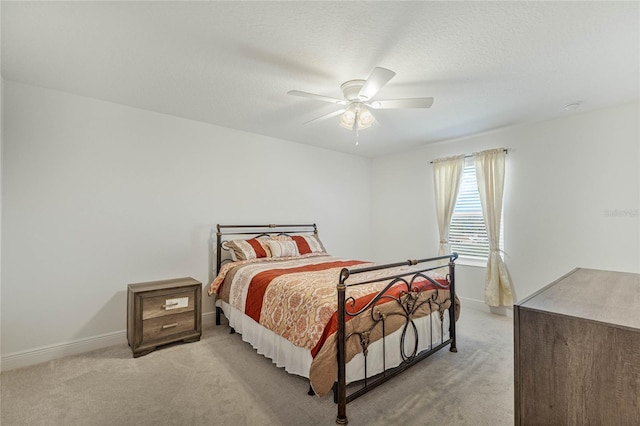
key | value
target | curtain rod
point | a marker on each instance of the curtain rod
(506, 151)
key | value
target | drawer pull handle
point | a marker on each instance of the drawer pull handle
(168, 305)
(164, 327)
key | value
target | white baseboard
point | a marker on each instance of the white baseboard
(49, 353)
(480, 305)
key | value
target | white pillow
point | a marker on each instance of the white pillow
(283, 248)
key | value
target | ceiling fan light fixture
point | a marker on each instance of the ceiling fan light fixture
(357, 114)
(365, 118)
(348, 117)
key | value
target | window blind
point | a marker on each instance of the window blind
(467, 232)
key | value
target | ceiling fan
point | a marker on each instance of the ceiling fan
(358, 95)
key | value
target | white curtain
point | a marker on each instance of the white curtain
(447, 174)
(490, 170)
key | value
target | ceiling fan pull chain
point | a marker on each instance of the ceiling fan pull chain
(355, 124)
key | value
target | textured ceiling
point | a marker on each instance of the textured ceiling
(487, 64)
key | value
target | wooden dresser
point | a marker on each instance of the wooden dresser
(161, 312)
(577, 351)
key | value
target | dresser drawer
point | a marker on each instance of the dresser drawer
(167, 304)
(166, 326)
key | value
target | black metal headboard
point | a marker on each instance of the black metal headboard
(256, 231)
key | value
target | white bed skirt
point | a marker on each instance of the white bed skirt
(297, 360)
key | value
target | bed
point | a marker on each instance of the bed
(347, 325)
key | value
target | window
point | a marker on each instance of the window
(467, 232)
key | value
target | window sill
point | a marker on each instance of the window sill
(472, 261)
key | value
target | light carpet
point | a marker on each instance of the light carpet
(221, 380)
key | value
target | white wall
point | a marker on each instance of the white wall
(98, 195)
(571, 199)
(1, 149)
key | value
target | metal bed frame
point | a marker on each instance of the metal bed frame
(409, 302)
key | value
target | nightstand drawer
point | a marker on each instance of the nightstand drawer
(170, 325)
(167, 304)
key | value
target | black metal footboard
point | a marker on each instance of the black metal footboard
(409, 299)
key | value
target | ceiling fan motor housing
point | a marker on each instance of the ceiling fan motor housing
(351, 89)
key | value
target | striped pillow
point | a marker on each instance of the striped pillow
(308, 244)
(247, 249)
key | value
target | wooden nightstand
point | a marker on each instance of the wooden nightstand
(161, 312)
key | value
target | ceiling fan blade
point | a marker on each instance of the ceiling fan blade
(326, 116)
(317, 97)
(378, 78)
(402, 103)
